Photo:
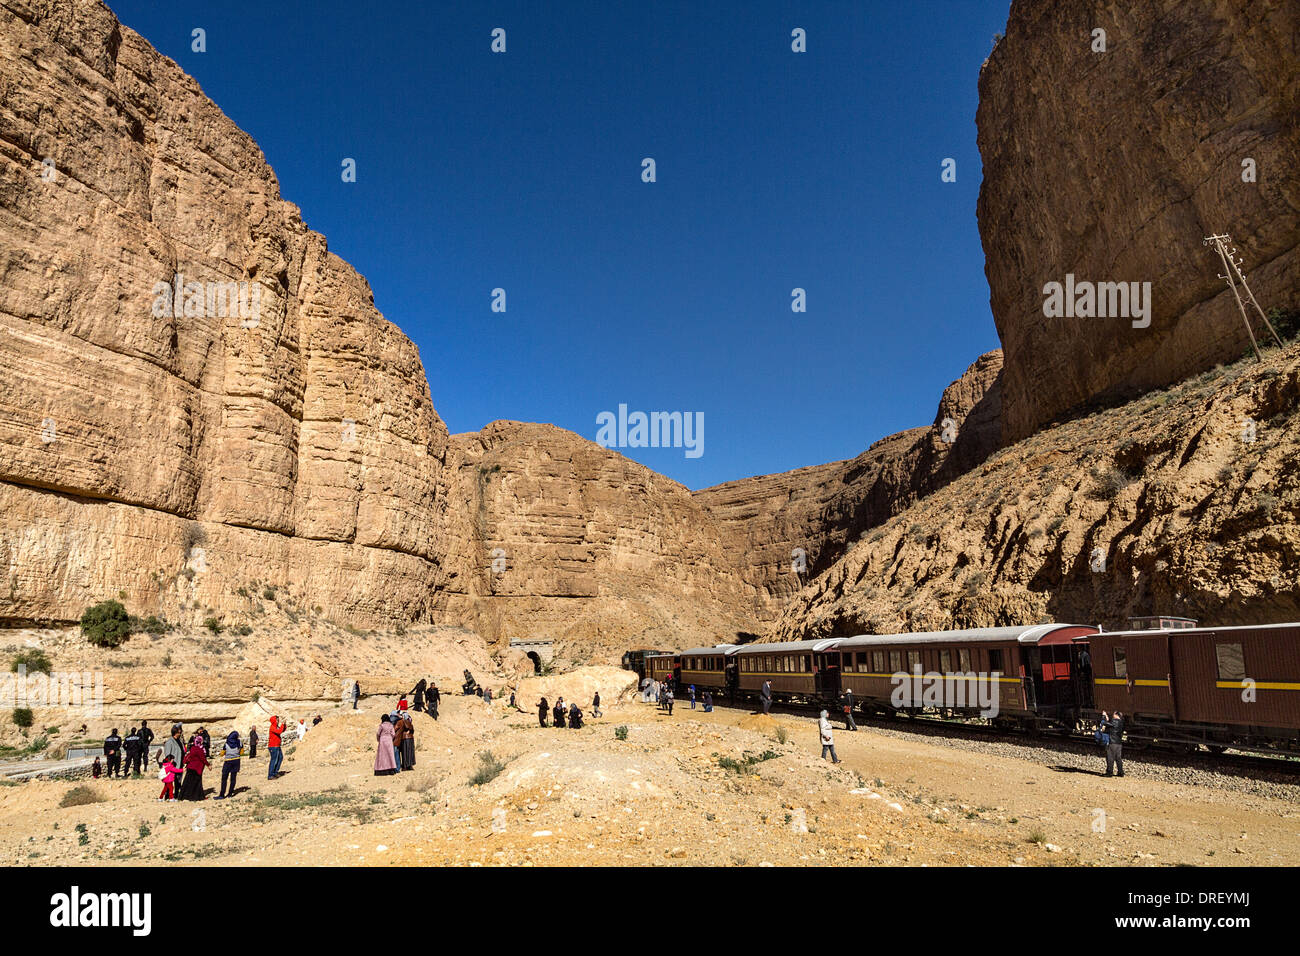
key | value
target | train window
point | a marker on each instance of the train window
(995, 660)
(878, 661)
(863, 664)
(913, 660)
(895, 661)
(945, 662)
(805, 664)
(1232, 663)
(1121, 662)
(963, 660)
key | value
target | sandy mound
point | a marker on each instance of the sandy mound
(614, 684)
(761, 723)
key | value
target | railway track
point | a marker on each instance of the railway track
(1231, 763)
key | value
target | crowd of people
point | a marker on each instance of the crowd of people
(565, 715)
(181, 763)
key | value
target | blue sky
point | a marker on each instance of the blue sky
(522, 171)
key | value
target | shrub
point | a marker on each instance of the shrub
(106, 624)
(489, 768)
(150, 625)
(23, 717)
(80, 796)
(1110, 482)
(33, 659)
(620, 732)
(213, 625)
(269, 594)
(782, 735)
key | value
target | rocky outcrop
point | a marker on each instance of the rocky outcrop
(553, 536)
(173, 453)
(1112, 166)
(1182, 502)
(782, 530)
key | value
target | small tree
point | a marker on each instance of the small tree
(33, 659)
(106, 624)
(23, 717)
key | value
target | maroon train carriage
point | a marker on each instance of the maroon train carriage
(1038, 668)
(1218, 686)
(705, 667)
(807, 670)
(661, 667)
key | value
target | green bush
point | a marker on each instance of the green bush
(23, 717)
(33, 659)
(620, 732)
(489, 768)
(213, 625)
(80, 796)
(106, 624)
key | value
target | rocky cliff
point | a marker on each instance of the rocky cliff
(781, 531)
(1184, 501)
(257, 418)
(1114, 165)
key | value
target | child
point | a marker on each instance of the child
(169, 775)
(96, 769)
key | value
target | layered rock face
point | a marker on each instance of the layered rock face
(553, 536)
(1182, 502)
(781, 531)
(1113, 166)
(170, 444)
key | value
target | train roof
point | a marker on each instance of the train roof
(785, 647)
(1023, 634)
(1150, 631)
(716, 649)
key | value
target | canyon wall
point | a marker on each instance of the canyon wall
(1113, 166)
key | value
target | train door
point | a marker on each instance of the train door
(826, 666)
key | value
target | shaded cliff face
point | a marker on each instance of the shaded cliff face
(1114, 166)
(1182, 502)
(767, 521)
(553, 536)
(173, 453)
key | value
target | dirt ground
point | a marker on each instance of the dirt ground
(691, 789)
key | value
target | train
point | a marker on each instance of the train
(1177, 683)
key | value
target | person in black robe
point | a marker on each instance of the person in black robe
(575, 717)
(542, 708)
(433, 698)
(418, 694)
(558, 714)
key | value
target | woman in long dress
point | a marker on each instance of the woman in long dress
(408, 742)
(196, 761)
(385, 764)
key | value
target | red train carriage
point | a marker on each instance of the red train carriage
(1219, 686)
(1032, 671)
(661, 667)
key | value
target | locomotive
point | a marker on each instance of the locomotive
(1176, 683)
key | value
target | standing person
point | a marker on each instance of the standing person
(559, 712)
(1113, 730)
(849, 722)
(273, 748)
(668, 698)
(765, 696)
(146, 739)
(252, 743)
(207, 741)
(402, 704)
(229, 764)
(595, 705)
(169, 774)
(408, 742)
(828, 738)
(435, 698)
(385, 763)
(196, 761)
(542, 708)
(418, 694)
(692, 693)
(132, 747)
(356, 694)
(113, 753)
(302, 728)
(399, 734)
(174, 750)
(575, 717)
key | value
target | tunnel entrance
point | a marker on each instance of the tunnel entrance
(537, 662)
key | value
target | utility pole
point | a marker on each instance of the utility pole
(1232, 267)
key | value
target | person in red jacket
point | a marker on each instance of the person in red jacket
(273, 747)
